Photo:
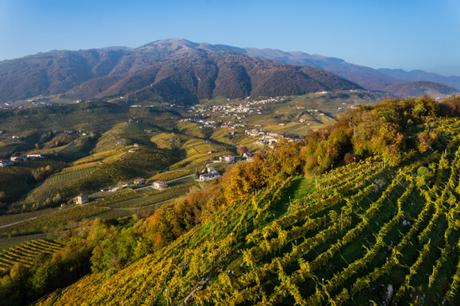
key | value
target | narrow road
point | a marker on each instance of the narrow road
(180, 178)
(168, 182)
(17, 222)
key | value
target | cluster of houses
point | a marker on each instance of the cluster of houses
(232, 113)
(17, 159)
(266, 137)
(210, 173)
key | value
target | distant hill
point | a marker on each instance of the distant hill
(54, 72)
(182, 71)
(419, 75)
(421, 88)
(172, 70)
(369, 78)
(366, 77)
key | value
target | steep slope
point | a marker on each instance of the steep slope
(173, 70)
(364, 232)
(54, 72)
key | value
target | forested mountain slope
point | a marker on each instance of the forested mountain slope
(177, 71)
(382, 229)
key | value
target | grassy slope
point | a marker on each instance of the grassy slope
(340, 237)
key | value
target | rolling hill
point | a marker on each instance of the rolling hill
(370, 232)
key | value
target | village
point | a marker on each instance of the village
(203, 114)
(238, 117)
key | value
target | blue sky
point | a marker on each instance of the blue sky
(409, 34)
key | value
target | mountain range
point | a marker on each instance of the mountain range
(184, 72)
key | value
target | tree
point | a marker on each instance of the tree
(242, 149)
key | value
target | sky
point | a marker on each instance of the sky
(408, 34)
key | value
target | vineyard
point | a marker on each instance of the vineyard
(365, 233)
(26, 253)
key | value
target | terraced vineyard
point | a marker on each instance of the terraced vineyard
(26, 253)
(362, 234)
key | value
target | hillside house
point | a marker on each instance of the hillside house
(16, 159)
(205, 177)
(211, 174)
(160, 185)
(139, 181)
(248, 156)
(228, 159)
(81, 199)
(5, 163)
(35, 156)
(211, 170)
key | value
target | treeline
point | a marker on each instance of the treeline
(388, 129)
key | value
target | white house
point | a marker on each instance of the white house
(5, 163)
(160, 185)
(212, 171)
(208, 177)
(228, 159)
(34, 156)
(17, 158)
(81, 199)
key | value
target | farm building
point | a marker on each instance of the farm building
(228, 159)
(211, 170)
(210, 174)
(159, 185)
(17, 158)
(81, 199)
(35, 156)
(205, 177)
(139, 181)
(5, 163)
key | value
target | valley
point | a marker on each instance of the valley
(113, 152)
(383, 228)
